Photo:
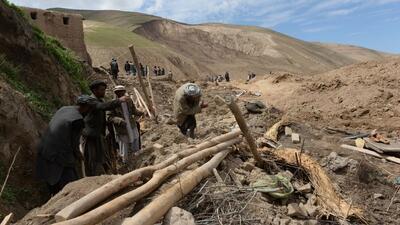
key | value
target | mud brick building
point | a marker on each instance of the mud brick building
(67, 28)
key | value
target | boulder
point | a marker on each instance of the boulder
(288, 131)
(178, 216)
(294, 210)
(295, 138)
(247, 166)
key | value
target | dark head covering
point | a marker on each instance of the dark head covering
(85, 100)
(97, 83)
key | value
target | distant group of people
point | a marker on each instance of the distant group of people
(130, 69)
(250, 76)
(77, 142)
(219, 78)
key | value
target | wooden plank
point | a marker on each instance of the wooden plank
(7, 219)
(362, 150)
(369, 152)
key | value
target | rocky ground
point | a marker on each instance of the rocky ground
(364, 182)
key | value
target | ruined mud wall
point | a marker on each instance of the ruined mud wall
(67, 28)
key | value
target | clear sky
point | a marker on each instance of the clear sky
(369, 23)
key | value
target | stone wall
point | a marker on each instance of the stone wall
(67, 28)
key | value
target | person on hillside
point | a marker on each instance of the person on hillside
(158, 71)
(162, 71)
(96, 153)
(155, 70)
(127, 68)
(114, 68)
(132, 68)
(127, 145)
(58, 152)
(170, 75)
(141, 69)
(227, 77)
(187, 103)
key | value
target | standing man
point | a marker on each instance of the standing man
(114, 68)
(155, 70)
(58, 152)
(127, 68)
(227, 77)
(96, 153)
(132, 68)
(186, 105)
(126, 146)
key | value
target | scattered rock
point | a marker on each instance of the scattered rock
(378, 195)
(311, 222)
(307, 188)
(294, 210)
(335, 162)
(288, 131)
(310, 209)
(295, 138)
(157, 146)
(178, 216)
(248, 166)
(255, 107)
(284, 221)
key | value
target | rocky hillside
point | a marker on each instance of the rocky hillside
(37, 75)
(199, 50)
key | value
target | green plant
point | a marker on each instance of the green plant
(66, 58)
(11, 74)
(15, 8)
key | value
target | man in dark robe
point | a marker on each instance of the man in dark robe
(94, 143)
(58, 151)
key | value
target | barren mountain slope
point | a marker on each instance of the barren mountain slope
(199, 50)
(357, 53)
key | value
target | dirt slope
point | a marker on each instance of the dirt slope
(357, 53)
(363, 95)
(33, 83)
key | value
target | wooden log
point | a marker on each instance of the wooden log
(230, 101)
(135, 60)
(152, 97)
(110, 208)
(7, 219)
(102, 193)
(156, 209)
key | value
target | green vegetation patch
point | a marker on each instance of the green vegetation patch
(11, 74)
(109, 36)
(65, 57)
(15, 8)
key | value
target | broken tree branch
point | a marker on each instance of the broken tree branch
(326, 194)
(110, 208)
(146, 95)
(9, 171)
(102, 193)
(159, 206)
(230, 101)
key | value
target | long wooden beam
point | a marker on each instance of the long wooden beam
(160, 206)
